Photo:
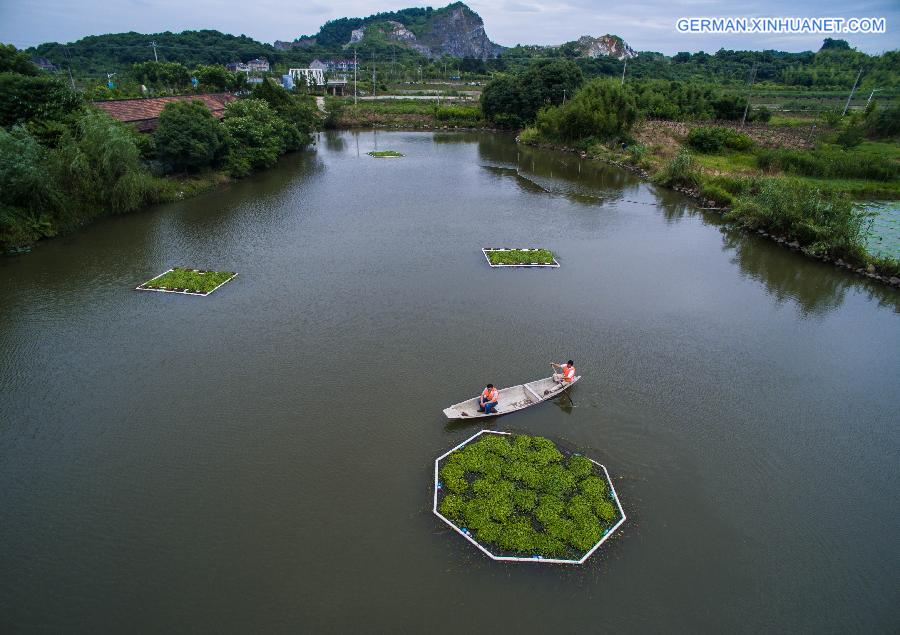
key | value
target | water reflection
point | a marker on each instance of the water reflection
(334, 140)
(815, 288)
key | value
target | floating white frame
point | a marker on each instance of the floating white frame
(487, 250)
(536, 558)
(141, 286)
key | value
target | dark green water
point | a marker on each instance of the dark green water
(260, 460)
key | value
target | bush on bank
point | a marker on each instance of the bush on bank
(64, 163)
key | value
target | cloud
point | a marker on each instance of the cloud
(645, 24)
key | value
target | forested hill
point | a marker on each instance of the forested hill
(98, 54)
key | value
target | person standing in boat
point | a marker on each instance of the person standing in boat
(487, 402)
(566, 372)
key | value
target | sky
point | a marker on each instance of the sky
(647, 25)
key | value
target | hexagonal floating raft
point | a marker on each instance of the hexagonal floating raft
(521, 499)
(187, 281)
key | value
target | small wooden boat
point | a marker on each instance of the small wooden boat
(512, 399)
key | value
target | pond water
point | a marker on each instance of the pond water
(883, 233)
(260, 460)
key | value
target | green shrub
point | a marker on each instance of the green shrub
(188, 138)
(716, 193)
(584, 536)
(681, 170)
(709, 139)
(600, 110)
(850, 137)
(760, 113)
(883, 123)
(256, 136)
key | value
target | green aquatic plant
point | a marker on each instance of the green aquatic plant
(520, 494)
(383, 154)
(521, 257)
(190, 280)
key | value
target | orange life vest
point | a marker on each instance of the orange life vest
(568, 372)
(490, 394)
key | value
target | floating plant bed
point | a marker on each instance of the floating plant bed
(512, 257)
(522, 499)
(385, 154)
(187, 281)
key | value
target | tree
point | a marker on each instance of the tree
(188, 138)
(602, 109)
(503, 101)
(298, 112)
(214, 77)
(255, 136)
(14, 61)
(162, 74)
(35, 100)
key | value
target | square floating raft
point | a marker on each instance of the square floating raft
(519, 257)
(187, 281)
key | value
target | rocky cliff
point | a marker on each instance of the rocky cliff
(453, 30)
(611, 45)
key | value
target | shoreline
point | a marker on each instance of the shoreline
(868, 271)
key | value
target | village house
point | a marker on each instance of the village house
(144, 113)
(260, 64)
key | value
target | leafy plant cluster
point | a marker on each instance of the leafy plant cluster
(384, 154)
(601, 110)
(829, 162)
(521, 257)
(524, 497)
(715, 138)
(192, 280)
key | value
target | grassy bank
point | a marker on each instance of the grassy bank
(776, 180)
(402, 113)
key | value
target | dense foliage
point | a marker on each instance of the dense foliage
(524, 497)
(256, 136)
(601, 110)
(514, 100)
(188, 138)
(715, 138)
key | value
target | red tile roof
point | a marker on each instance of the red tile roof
(143, 113)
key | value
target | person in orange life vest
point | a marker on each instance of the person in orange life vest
(487, 402)
(566, 372)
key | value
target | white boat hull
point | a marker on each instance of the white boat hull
(512, 399)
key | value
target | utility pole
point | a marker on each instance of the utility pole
(69, 66)
(872, 94)
(749, 88)
(852, 90)
(373, 74)
(623, 71)
(354, 76)
(155, 57)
